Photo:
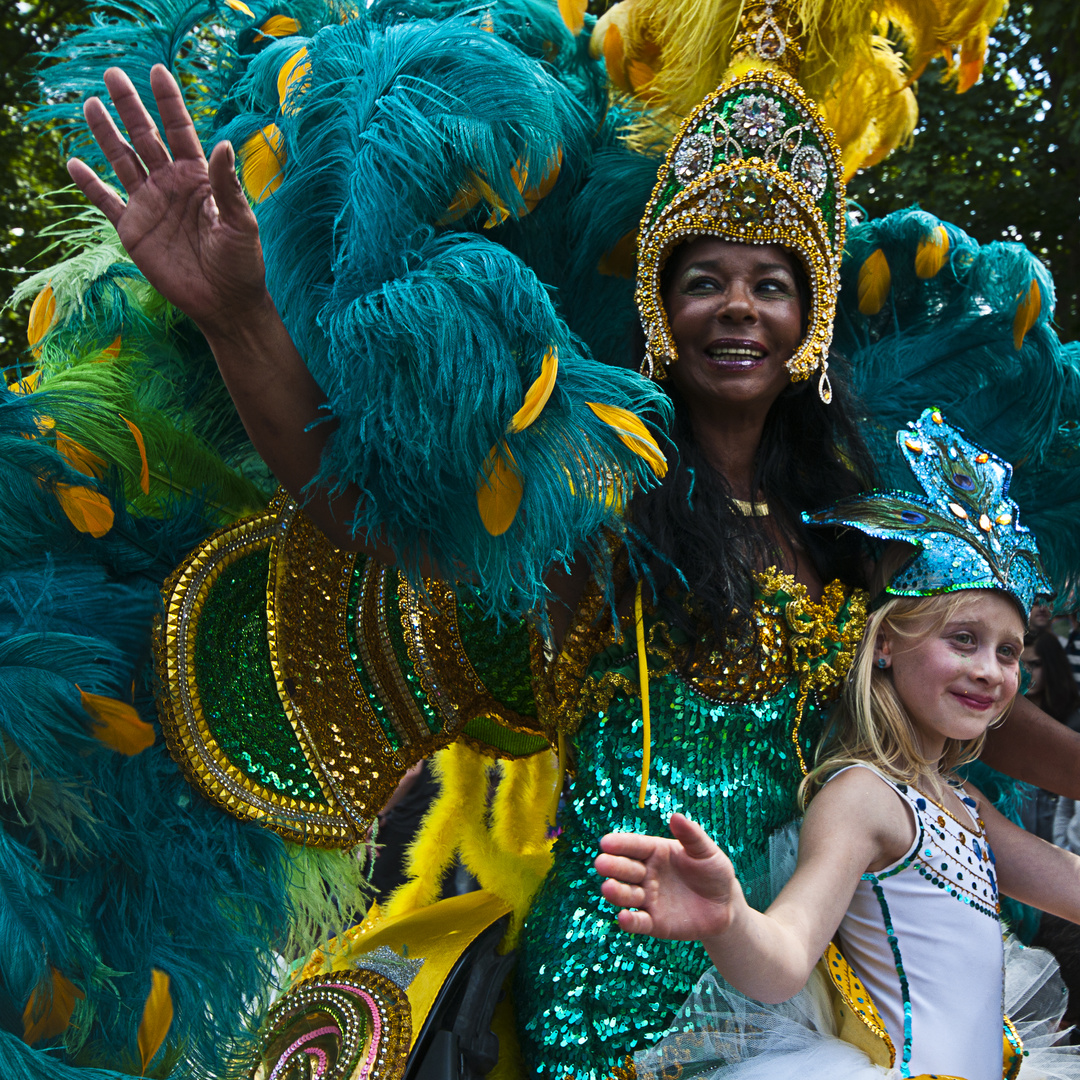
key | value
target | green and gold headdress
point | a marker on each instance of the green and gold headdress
(755, 163)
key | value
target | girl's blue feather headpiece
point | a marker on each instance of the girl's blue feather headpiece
(966, 527)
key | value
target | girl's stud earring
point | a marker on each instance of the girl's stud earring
(882, 662)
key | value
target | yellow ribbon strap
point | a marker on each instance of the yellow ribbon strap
(643, 679)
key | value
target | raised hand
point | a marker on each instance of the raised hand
(186, 223)
(683, 888)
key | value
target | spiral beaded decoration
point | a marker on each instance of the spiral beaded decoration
(340, 1026)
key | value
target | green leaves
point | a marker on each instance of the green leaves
(1003, 160)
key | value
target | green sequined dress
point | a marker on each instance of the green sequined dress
(728, 744)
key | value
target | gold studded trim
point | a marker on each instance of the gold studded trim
(312, 584)
(1012, 1051)
(183, 721)
(455, 692)
(857, 1020)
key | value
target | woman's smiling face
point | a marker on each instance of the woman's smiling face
(736, 317)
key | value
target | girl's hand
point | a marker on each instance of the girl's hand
(683, 889)
(186, 223)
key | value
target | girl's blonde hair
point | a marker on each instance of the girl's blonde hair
(870, 723)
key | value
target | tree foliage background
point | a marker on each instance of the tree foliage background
(1000, 161)
(31, 160)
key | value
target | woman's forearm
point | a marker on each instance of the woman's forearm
(284, 413)
(1034, 747)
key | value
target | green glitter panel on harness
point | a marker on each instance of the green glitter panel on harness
(500, 656)
(300, 682)
(224, 714)
(240, 700)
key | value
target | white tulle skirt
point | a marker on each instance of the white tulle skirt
(720, 1034)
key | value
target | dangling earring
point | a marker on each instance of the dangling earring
(824, 387)
(882, 662)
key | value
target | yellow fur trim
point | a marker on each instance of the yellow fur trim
(510, 857)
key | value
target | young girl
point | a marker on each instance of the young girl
(900, 865)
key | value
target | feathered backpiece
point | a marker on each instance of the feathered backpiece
(858, 59)
(928, 317)
(965, 525)
(413, 177)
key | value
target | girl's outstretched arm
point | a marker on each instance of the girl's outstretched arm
(684, 888)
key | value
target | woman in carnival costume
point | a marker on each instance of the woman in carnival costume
(900, 863)
(476, 437)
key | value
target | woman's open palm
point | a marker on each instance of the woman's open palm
(186, 223)
(681, 888)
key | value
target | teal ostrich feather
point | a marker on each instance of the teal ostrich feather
(949, 341)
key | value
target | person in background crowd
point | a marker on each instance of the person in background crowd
(1072, 644)
(1042, 615)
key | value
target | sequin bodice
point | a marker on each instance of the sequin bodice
(727, 741)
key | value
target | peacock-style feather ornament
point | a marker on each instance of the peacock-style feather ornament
(965, 526)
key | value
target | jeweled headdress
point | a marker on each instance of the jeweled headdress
(966, 527)
(753, 163)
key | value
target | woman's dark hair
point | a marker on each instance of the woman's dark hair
(706, 550)
(810, 455)
(1058, 694)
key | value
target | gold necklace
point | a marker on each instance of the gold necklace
(751, 509)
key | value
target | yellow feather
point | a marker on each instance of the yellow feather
(532, 195)
(573, 14)
(157, 1018)
(278, 26)
(680, 50)
(89, 511)
(78, 457)
(972, 58)
(27, 385)
(874, 281)
(239, 5)
(498, 490)
(614, 54)
(42, 315)
(633, 433)
(931, 253)
(48, 1012)
(1026, 314)
(462, 776)
(117, 724)
(137, 435)
(112, 351)
(621, 260)
(466, 198)
(292, 71)
(262, 158)
(536, 397)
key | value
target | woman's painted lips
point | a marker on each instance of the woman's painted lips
(735, 355)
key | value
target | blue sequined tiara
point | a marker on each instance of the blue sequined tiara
(966, 527)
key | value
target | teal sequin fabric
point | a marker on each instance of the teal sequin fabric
(586, 994)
